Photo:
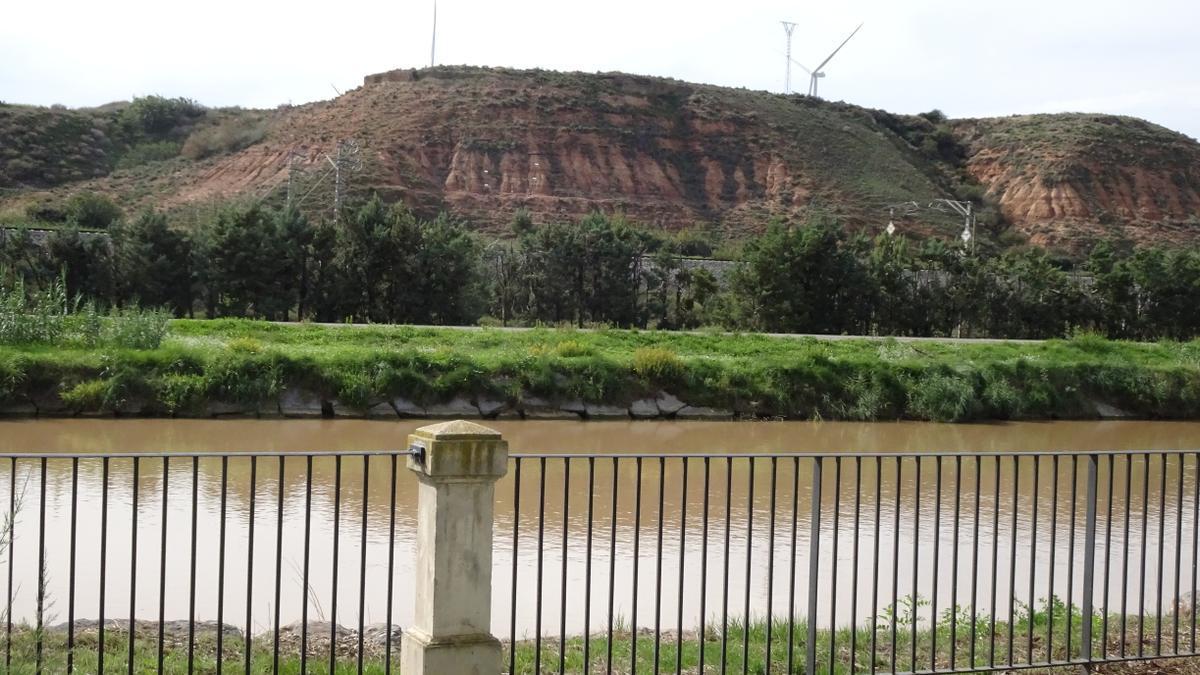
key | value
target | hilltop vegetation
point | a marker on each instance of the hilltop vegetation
(482, 144)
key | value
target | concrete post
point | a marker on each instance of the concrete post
(452, 580)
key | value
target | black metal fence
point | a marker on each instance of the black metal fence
(76, 525)
(850, 562)
(703, 563)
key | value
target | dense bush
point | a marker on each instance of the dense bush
(90, 210)
(157, 115)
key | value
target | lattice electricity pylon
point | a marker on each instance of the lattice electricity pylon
(347, 161)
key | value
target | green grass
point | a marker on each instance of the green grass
(252, 362)
(733, 646)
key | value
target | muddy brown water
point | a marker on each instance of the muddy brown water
(1159, 518)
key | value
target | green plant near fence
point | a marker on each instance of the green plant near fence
(50, 317)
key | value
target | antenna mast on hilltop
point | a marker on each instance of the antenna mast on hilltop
(433, 42)
(788, 27)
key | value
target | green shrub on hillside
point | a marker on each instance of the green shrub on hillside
(92, 211)
(157, 115)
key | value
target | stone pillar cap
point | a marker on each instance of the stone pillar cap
(459, 450)
(456, 430)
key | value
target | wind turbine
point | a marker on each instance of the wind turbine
(816, 74)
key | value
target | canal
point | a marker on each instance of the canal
(683, 549)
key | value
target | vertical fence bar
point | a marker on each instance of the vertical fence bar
(995, 581)
(391, 568)
(683, 497)
(977, 489)
(749, 558)
(104, 469)
(937, 540)
(162, 563)
(362, 561)
(247, 638)
(1162, 540)
(1109, 461)
(1071, 551)
(12, 523)
(833, 586)
(954, 562)
(1142, 573)
(771, 561)
(333, 575)
(658, 562)
(1178, 554)
(221, 566)
(71, 574)
(537, 624)
(854, 568)
(308, 474)
(612, 563)
(1125, 553)
(912, 648)
(791, 568)
(192, 566)
(791, 647)
(814, 568)
(1012, 557)
(133, 529)
(41, 589)
(279, 564)
(1195, 541)
(1053, 550)
(875, 566)
(704, 569)
(1033, 523)
(895, 557)
(587, 574)
(725, 564)
(562, 598)
(637, 539)
(512, 607)
(1089, 560)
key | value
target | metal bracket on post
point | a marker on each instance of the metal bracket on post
(1089, 561)
(417, 452)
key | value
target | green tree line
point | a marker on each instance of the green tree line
(382, 264)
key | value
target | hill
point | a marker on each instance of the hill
(483, 143)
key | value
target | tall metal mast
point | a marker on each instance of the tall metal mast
(788, 27)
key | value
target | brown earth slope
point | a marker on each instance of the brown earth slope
(482, 143)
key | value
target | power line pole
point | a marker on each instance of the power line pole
(788, 27)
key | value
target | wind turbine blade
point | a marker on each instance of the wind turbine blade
(839, 48)
(802, 66)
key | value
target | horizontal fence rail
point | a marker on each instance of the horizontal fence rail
(608, 562)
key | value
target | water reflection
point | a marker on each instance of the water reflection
(866, 506)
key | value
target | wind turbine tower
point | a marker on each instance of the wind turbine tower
(433, 42)
(788, 27)
(816, 73)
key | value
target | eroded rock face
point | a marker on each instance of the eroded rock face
(1064, 180)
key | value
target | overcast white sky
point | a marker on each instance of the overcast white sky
(966, 57)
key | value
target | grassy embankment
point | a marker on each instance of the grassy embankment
(251, 363)
(738, 647)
